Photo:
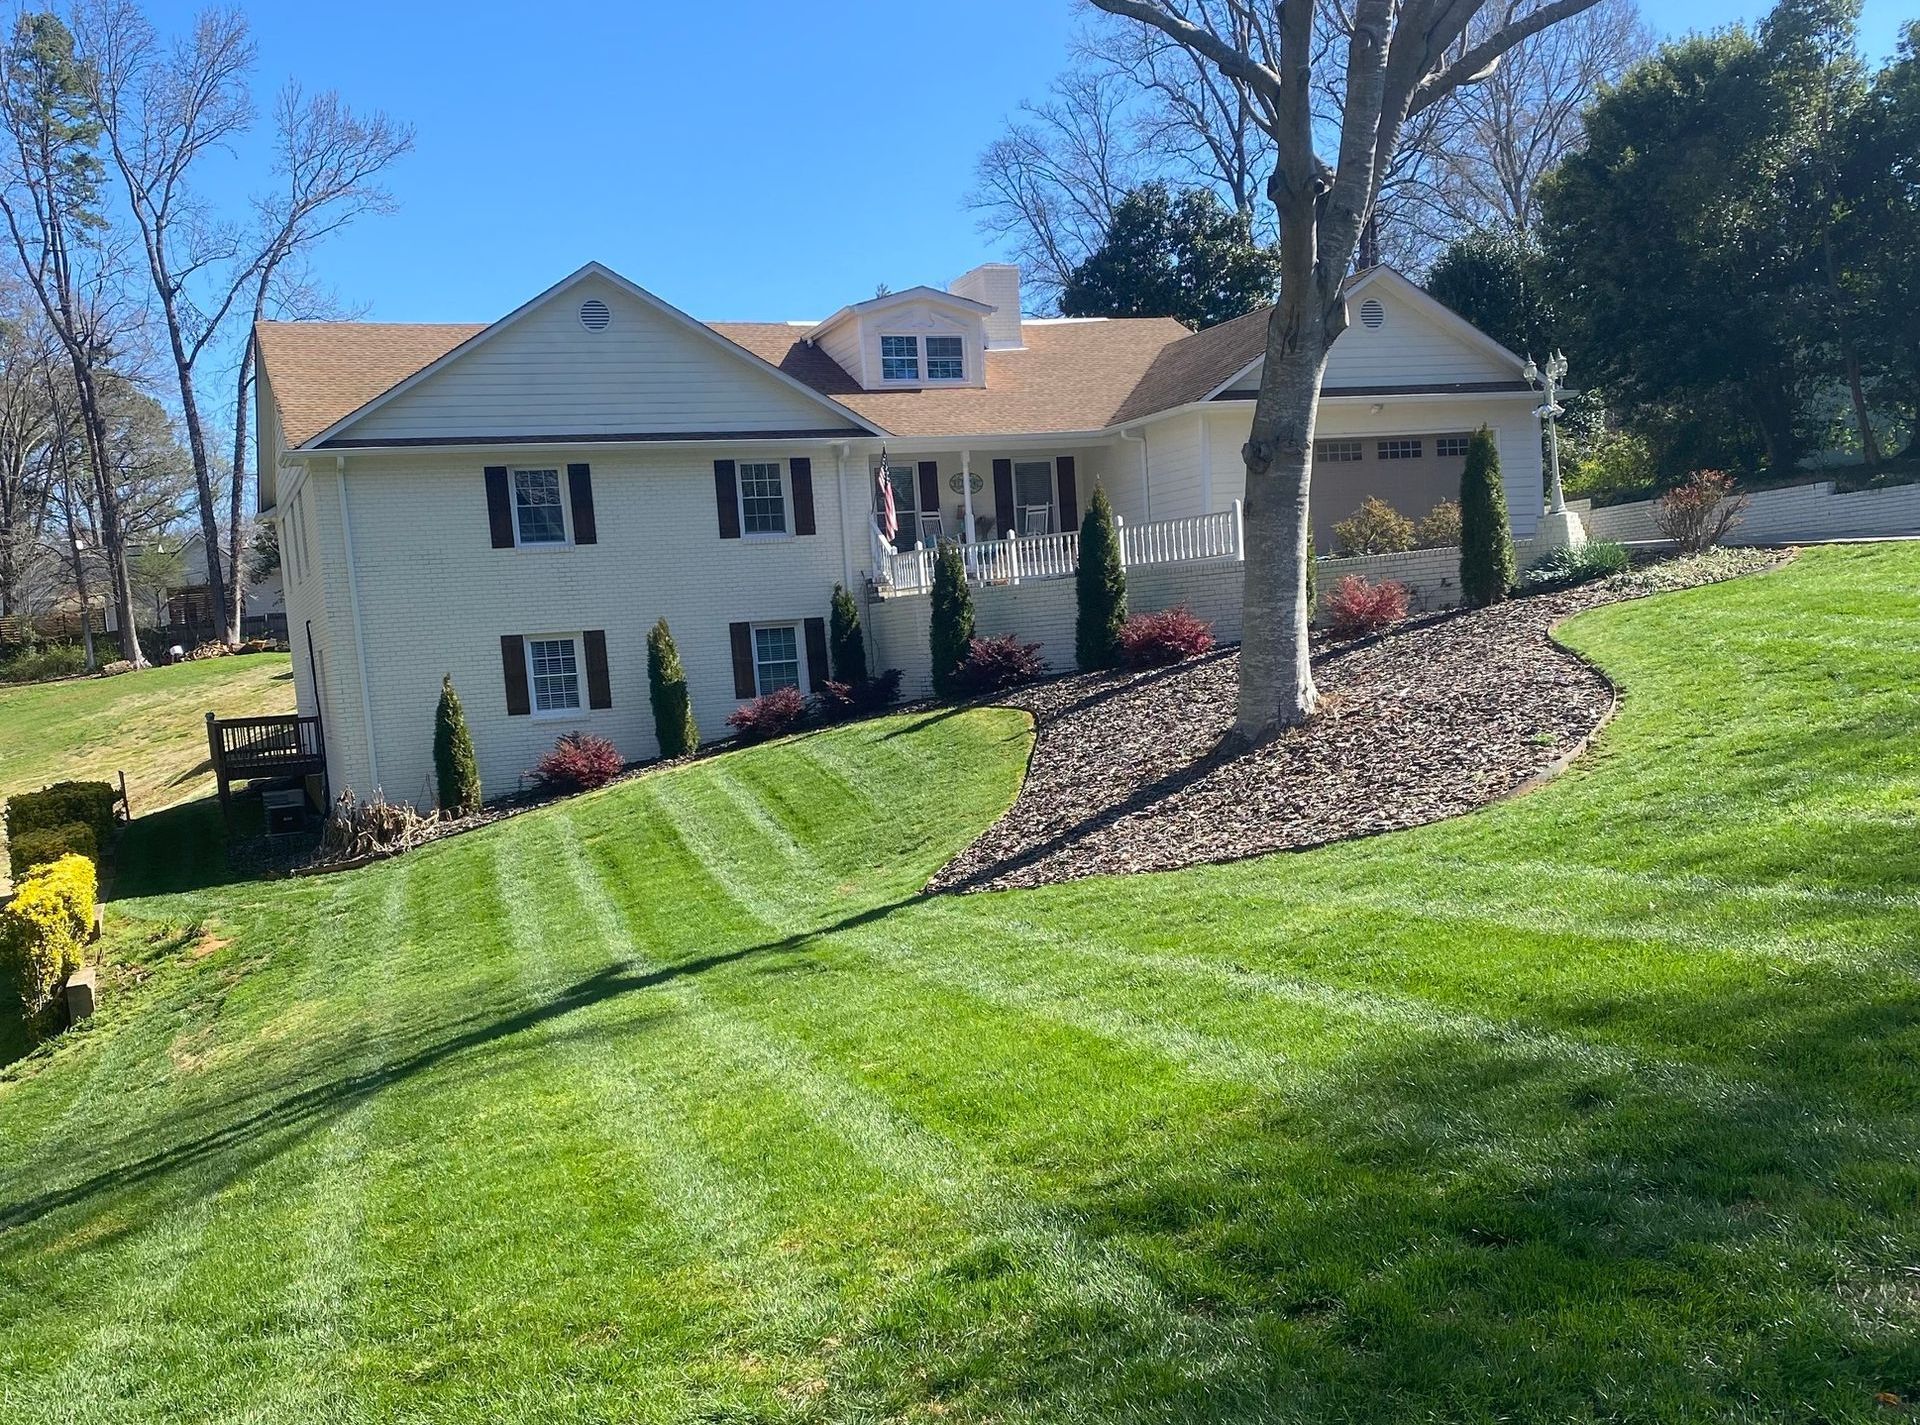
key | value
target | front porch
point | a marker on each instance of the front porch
(1024, 558)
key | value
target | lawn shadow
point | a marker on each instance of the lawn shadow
(181, 848)
(258, 1134)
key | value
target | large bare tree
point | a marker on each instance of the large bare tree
(1400, 58)
(163, 108)
(27, 435)
(49, 193)
(328, 164)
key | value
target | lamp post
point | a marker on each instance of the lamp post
(1548, 381)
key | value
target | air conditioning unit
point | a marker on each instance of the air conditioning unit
(286, 812)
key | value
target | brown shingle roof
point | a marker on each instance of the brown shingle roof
(1072, 376)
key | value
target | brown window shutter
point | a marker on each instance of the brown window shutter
(580, 496)
(726, 497)
(513, 667)
(929, 489)
(800, 471)
(1003, 496)
(599, 684)
(743, 681)
(816, 652)
(1069, 492)
(499, 507)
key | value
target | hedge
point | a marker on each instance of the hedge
(44, 929)
(62, 804)
(37, 847)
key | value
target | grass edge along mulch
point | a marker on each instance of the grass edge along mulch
(1432, 719)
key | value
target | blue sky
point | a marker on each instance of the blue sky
(747, 159)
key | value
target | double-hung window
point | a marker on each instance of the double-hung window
(553, 674)
(763, 498)
(946, 359)
(539, 514)
(899, 358)
(776, 657)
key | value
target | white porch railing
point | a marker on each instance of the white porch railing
(1015, 560)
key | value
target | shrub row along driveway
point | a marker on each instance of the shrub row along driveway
(677, 1102)
(1436, 717)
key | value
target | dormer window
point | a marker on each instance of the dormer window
(945, 359)
(899, 358)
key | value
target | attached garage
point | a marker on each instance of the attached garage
(1413, 473)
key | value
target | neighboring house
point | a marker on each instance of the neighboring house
(263, 609)
(517, 503)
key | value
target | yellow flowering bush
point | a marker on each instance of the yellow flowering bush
(44, 928)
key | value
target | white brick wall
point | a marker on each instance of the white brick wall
(1796, 512)
(1043, 612)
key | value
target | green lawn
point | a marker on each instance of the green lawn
(151, 725)
(676, 1103)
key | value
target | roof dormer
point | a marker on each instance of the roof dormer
(919, 339)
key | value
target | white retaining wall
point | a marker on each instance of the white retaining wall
(1784, 516)
(1043, 611)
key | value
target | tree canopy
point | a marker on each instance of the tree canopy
(1184, 255)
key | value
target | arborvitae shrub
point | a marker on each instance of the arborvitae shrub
(454, 767)
(846, 649)
(1100, 585)
(952, 627)
(673, 724)
(1486, 543)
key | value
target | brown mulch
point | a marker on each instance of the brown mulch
(1442, 714)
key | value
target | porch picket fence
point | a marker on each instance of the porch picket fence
(1018, 559)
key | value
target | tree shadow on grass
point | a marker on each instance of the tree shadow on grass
(183, 848)
(256, 1134)
(1445, 1227)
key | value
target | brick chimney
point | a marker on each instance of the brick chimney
(998, 285)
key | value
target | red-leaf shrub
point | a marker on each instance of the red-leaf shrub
(995, 663)
(769, 715)
(1357, 608)
(1698, 513)
(579, 762)
(1150, 640)
(839, 701)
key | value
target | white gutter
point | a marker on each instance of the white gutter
(359, 637)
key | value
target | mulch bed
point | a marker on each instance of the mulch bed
(1442, 714)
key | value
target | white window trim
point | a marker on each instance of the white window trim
(566, 508)
(579, 643)
(799, 652)
(926, 371)
(764, 536)
(919, 359)
(1053, 488)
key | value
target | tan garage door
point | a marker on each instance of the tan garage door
(1413, 473)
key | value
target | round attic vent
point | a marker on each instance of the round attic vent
(1372, 314)
(594, 315)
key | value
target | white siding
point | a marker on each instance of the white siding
(1409, 348)
(549, 375)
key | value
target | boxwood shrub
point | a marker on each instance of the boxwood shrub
(44, 929)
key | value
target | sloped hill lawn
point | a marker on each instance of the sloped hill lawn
(678, 1102)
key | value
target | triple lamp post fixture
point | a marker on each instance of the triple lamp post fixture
(1549, 410)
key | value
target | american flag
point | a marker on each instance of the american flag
(889, 516)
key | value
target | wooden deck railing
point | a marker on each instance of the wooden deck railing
(246, 747)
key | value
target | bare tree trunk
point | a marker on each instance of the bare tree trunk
(202, 473)
(112, 540)
(1869, 442)
(79, 573)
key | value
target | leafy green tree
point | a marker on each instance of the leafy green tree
(673, 725)
(1100, 587)
(1486, 544)
(951, 629)
(1495, 280)
(1185, 255)
(456, 773)
(846, 647)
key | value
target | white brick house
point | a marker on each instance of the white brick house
(516, 503)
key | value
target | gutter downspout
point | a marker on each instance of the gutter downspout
(359, 636)
(1146, 468)
(840, 453)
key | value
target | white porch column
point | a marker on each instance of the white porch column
(966, 496)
